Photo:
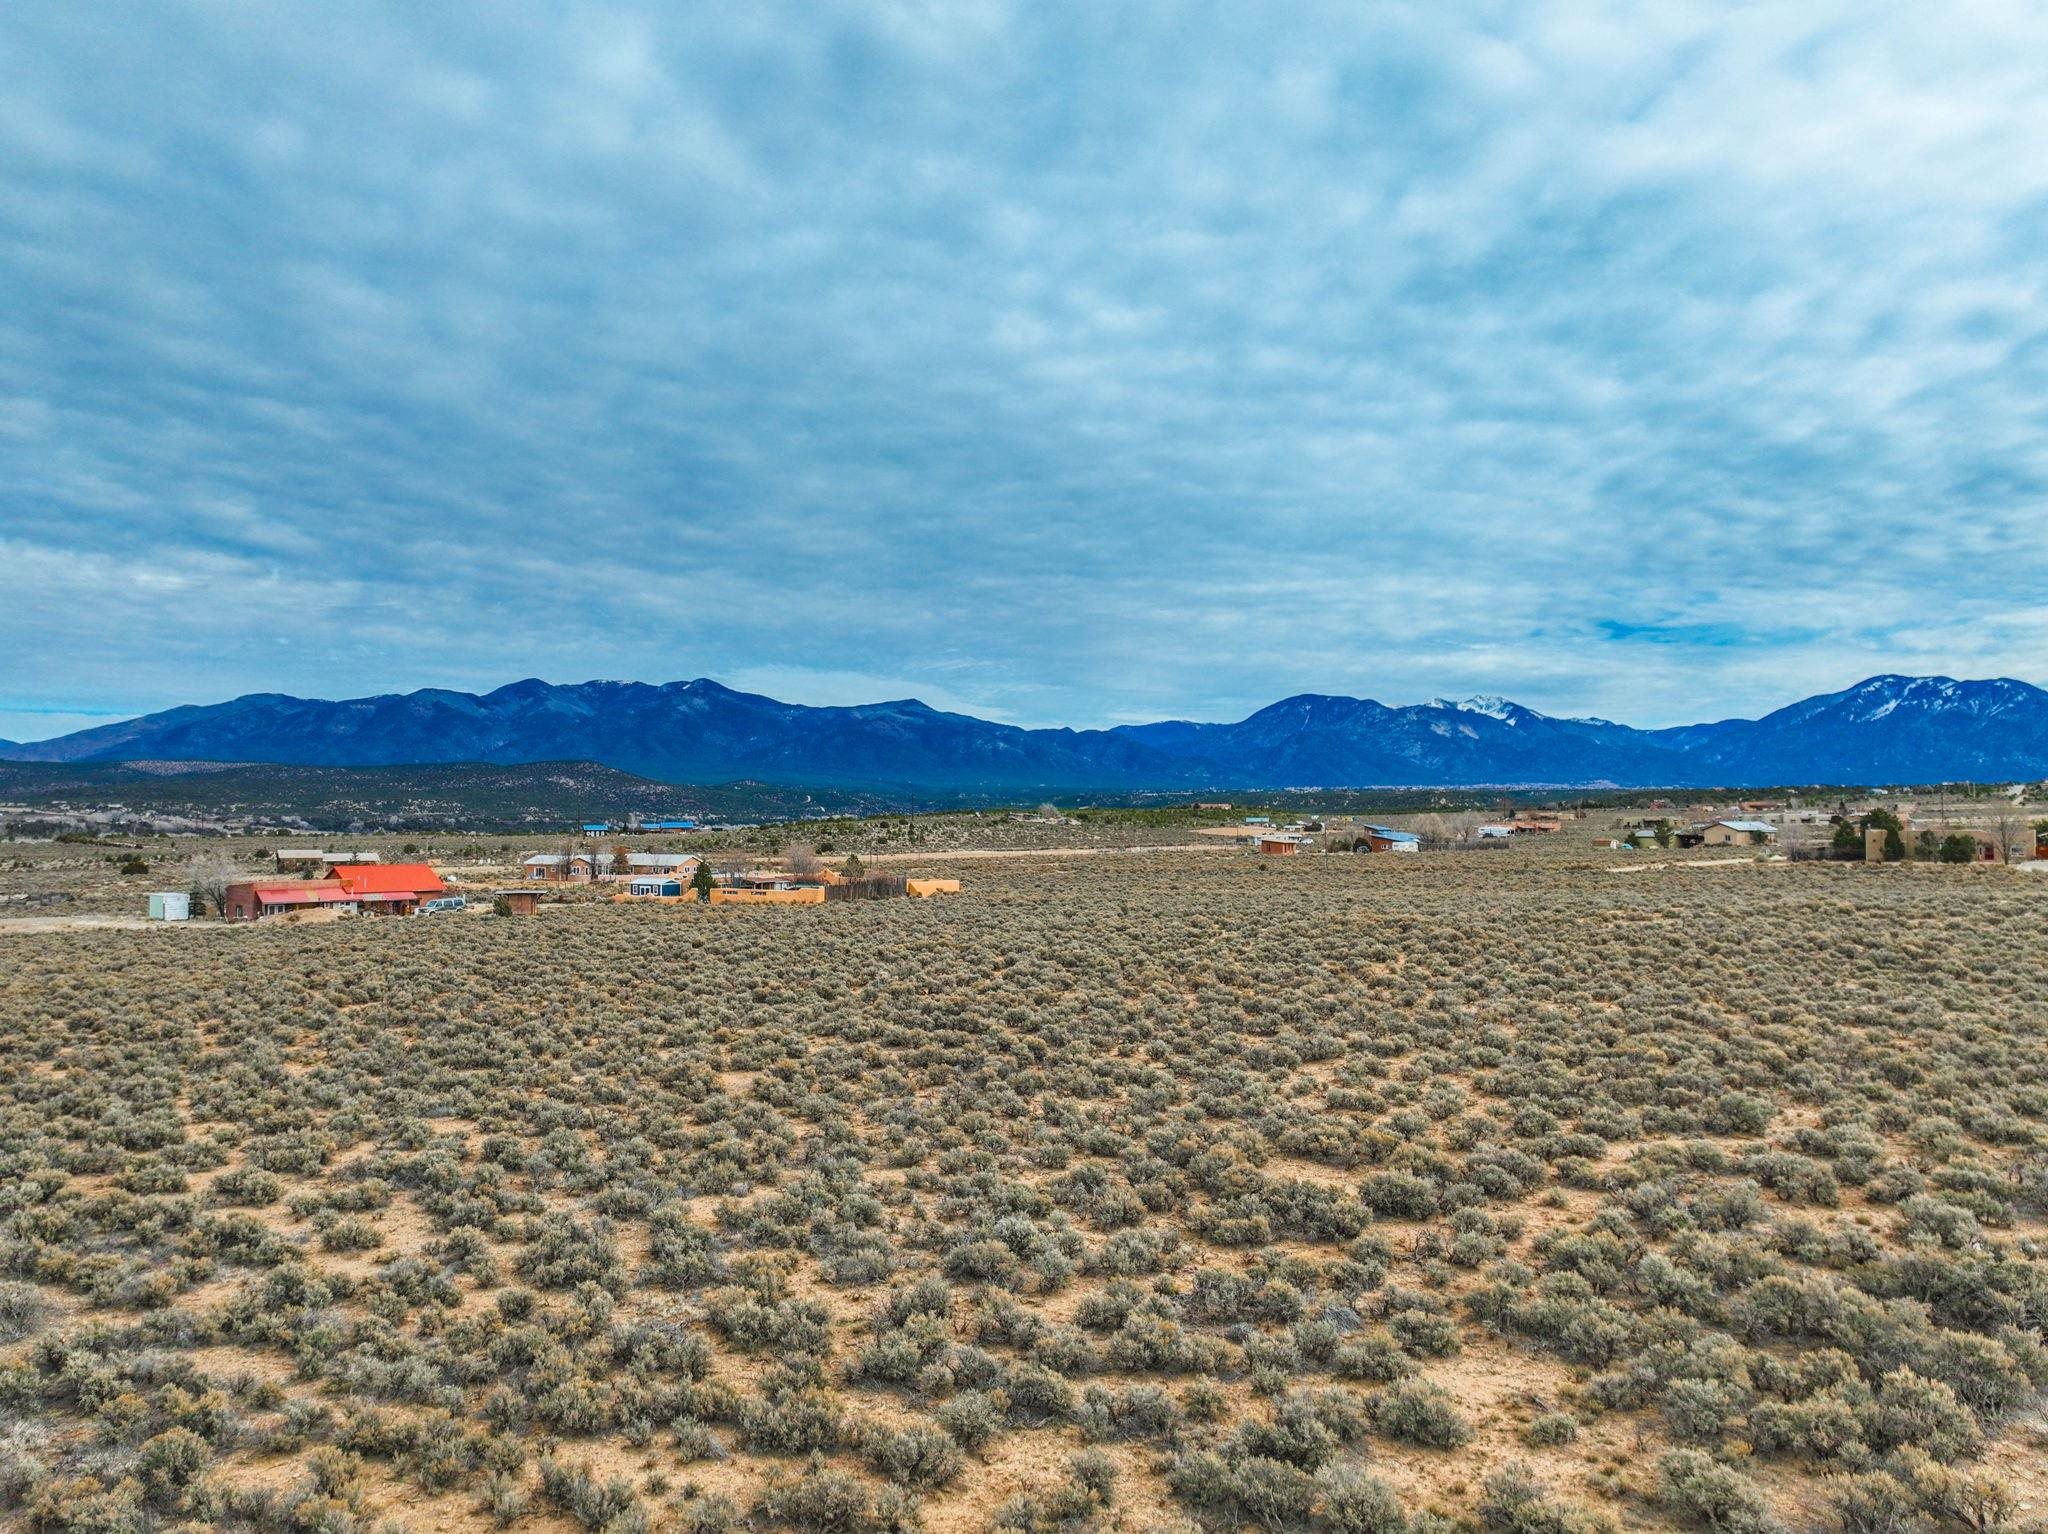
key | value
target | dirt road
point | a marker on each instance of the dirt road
(20, 924)
(960, 855)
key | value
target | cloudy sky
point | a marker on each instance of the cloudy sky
(1063, 364)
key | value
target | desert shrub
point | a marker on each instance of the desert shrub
(1149, 1343)
(1422, 1414)
(1701, 1491)
(918, 1457)
(1875, 1503)
(1263, 1492)
(793, 1422)
(1375, 1356)
(1088, 1490)
(565, 1252)
(1512, 1501)
(680, 1253)
(1141, 1411)
(22, 1310)
(1551, 1429)
(1350, 1501)
(247, 1186)
(1400, 1195)
(972, 1418)
(752, 1325)
(827, 1501)
(1426, 1332)
(600, 1506)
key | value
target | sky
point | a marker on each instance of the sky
(1062, 364)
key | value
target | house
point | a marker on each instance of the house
(300, 899)
(1280, 844)
(1258, 820)
(677, 865)
(1494, 833)
(924, 889)
(1387, 839)
(392, 890)
(298, 859)
(595, 827)
(1737, 833)
(1533, 822)
(559, 867)
(668, 825)
(1213, 804)
(773, 879)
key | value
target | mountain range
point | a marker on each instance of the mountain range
(1883, 730)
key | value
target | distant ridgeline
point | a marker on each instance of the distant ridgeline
(1889, 729)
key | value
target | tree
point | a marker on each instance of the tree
(1048, 812)
(801, 858)
(1848, 841)
(1959, 847)
(700, 881)
(854, 867)
(1894, 829)
(208, 876)
(1927, 846)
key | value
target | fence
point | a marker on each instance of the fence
(868, 887)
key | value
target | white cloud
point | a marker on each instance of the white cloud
(1049, 366)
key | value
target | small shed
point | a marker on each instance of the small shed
(1281, 845)
(517, 902)
(170, 905)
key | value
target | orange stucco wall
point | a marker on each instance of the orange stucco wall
(810, 894)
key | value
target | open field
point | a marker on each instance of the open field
(1118, 1193)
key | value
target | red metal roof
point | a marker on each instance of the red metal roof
(391, 879)
(322, 892)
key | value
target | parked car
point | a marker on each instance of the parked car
(444, 903)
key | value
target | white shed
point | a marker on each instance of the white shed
(170, 905)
